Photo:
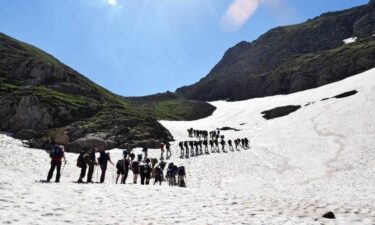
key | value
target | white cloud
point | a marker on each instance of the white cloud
(240, 11)
(111, 2)
(238, 14)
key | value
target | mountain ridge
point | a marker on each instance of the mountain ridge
(250, 69)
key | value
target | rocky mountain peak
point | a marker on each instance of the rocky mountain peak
(292, 58)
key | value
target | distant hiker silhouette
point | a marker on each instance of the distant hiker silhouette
(103, 160)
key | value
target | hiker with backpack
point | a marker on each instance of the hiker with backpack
(170, 174)
(56, 155)
(162, 165)
(145, 170)
(186, 145)
(168, 148)
(236, 142)
(190, 131)
(246, 141)
(92, 163)
(243, 143)
(158, 175)
(148, 171)
(222, 142)
(161, 151)
(230, 145)
(205, 144)
(217, 145)
(82, 162)
(135, 168)
(122, 167)
(142, 171)
(181, 176)
(191, 143)
(196, 148)
(211, 142)
(103, 160)
(182, 150)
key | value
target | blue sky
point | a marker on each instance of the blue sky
(141, 47)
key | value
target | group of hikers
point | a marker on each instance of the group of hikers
(203, 134)
(162, 150)
(144, 167)
(196, 148)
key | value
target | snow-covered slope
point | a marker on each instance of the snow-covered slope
(320, 158)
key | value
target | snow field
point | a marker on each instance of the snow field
(320, 158)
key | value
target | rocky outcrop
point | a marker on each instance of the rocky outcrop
(280, 111)
(28, 113)
(169, 105)
(42, 99)
(346, 94)
(292, 58)
(329, 215)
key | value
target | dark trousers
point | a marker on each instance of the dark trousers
(158, 179)
(90, 173)
(83, 173)
(123, 180)
(148, 177)
(143, 178)
(57, 165)
(181, 181)
(102, 176)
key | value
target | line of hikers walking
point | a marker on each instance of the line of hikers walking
(204, 134)
(196, 148)
(142, 166)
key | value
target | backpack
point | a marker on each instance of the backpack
(181, 171)
(80, 160)
(120, 164)
(159, 172)
(56, 151)
(135, 165)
